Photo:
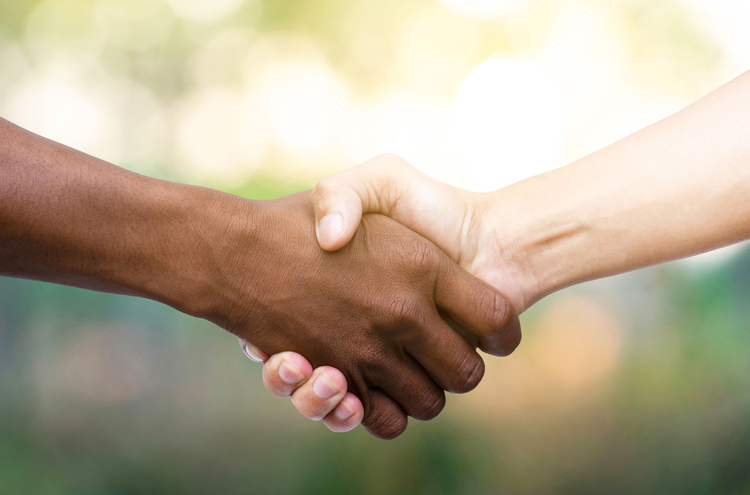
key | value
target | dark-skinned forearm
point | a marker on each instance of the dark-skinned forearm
(69, 218)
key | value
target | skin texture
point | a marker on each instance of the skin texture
(677, 188)
(371, 309)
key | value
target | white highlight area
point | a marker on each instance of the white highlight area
(408, 124)
(483, 9)
(61, 107)
(220, 136)
(506, 125)
(306, 106)
(205, 11)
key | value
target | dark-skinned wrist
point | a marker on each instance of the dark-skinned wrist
(214, 229)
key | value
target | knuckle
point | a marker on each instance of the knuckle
(273, 384)
(308, 406)
(334, 376)
(374, 360)
(391, 159)
(510, 342)
(404, 308)
(325, 188)
(386, 426)
(372, 354)
(270, 372)
(498, 313)
(393, 162)
(338, 426)
(428, 406)
(514, 343)
(469, 373)
(422, 256)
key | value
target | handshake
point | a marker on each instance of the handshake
(407, 277)
(396, 306)
(391, 316)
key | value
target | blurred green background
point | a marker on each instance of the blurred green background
(635, 384)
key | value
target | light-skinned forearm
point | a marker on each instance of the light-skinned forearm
(674, 189)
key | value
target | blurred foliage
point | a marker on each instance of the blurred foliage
(672, 419)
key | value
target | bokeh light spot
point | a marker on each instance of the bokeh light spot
(507, 124)
(219, 136)
(306, 106)
(135, 25)
(484, 9)
(104, 367)
(205, 11)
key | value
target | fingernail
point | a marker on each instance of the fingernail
(343, 411)
(290, 374)
(329, 228)
(251, 354)
(323, 388)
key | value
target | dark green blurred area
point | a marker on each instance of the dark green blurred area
(639, 384)
(673, 417)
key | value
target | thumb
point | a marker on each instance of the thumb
(338, 209)
(339, 201)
